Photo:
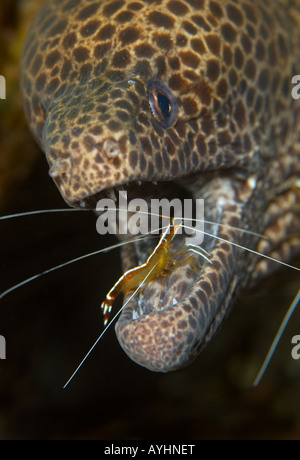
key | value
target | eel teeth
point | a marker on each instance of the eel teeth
(111, 193)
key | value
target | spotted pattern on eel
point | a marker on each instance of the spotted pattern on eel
(175, 98)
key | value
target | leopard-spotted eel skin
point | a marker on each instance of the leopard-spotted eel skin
(175, 98)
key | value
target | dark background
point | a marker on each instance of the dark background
(50, 324)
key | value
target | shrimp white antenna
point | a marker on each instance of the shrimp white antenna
(49, 211)
(104, 330)
(243, 247)
(276, 340)
(65, 264)
(41, 211)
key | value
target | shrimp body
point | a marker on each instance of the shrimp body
(156, 263)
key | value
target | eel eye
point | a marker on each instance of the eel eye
(163, 104)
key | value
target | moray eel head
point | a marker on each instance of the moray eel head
(173, 99)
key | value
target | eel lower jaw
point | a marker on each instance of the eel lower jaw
(165, 325)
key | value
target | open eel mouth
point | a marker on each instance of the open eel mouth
(166, 323)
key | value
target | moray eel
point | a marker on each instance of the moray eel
(175, 98)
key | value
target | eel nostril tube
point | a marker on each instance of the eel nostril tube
(58, 168)
(111, 148)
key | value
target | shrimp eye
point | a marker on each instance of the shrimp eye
(163, 104)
